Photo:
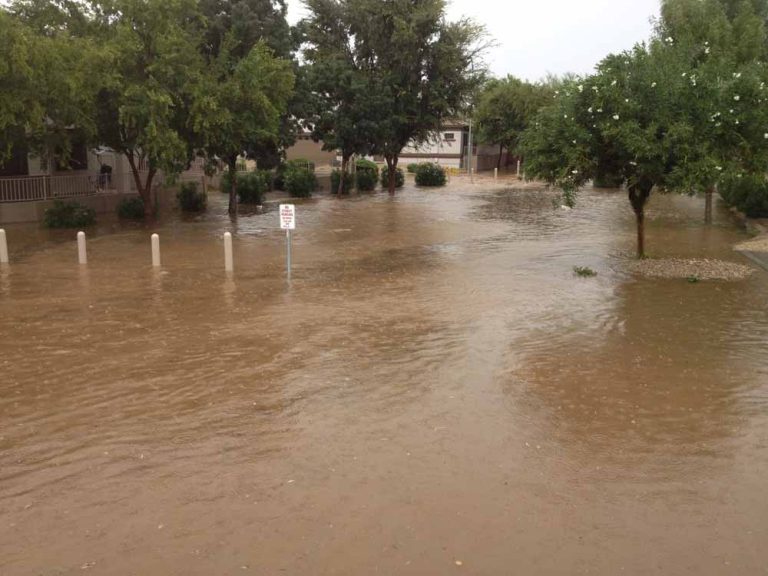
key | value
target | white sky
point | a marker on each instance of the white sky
(539, 36)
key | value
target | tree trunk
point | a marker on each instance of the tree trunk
(638, 196)
(392, 168)
(344, 167)
(708, 205)
(143, 188)
(501, 153)
(232, 164)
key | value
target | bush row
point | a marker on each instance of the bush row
(749, 194)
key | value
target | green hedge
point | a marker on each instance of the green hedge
(430, 174)
(300, 182)
(190, 199)
(399, 177)
(749, 194)
(251, 187)
(412, 167)
(69, 215)
(303, 163)
(131, 208)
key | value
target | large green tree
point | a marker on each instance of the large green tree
(420, 67)
(47, 92)
(505, 108)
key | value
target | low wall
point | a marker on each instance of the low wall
(19, 212)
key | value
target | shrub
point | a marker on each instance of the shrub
(251, 187)
(131, 208)
(336, 178)
(584, 272)
(399, 177)
(412, 167)
(366, 180)
(749, 194)
(69, 215)
(190, 199)
(279, 180)
(430, 174)
(300, 182)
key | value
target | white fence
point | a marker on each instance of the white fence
(30, 188)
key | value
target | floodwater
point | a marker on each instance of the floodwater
(435, 393)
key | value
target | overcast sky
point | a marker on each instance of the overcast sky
(539, 36)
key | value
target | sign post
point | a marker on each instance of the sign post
(288, 223)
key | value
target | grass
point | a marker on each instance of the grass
(584, 272)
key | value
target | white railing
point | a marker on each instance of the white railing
(24, 188)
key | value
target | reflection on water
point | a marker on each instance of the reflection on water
(435, 386)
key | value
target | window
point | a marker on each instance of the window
(450, 136)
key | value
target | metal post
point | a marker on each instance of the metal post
(469, 156)
(229, 264)
(3, 248)
(82, 255)
(288, 253)
(155, 251)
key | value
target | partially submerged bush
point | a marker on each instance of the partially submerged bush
(69, 215)
(430, 174)
(399, 177)
(190, 199)
(749, 194)
(584, 272)
(300, 182)
(279, 179)
(412, 167)
(336, 179)
(131, 208)
(251, 187)
(366, 180)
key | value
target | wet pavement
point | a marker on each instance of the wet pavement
(435, 393)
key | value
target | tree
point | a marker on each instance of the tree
(505, 108)
(648, 114)
(47, 93)
(346, 106)
(420, 67)
(151, 81)
(722, 42)
(244, 102)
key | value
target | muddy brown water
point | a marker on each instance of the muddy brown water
(436, 393)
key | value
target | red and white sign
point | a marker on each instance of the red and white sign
(287, 217)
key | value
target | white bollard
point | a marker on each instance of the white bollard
(155, 251)
(3, 248)
(82, 254)
(229, 264)
(495, 173)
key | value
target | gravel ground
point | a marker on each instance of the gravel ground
(702, 269)
(759, 244)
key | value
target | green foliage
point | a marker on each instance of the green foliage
(412, 167)
(226, 182)
(399, 177)
(430, 174)
(390, 70)
(506, 108)
(584, 272)
(131, 208)
(366, 175)
(748, 193)
(279, 180)
(69, 215)
(251, 187)
(336, 178)
(300, 182)
(190, 199)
